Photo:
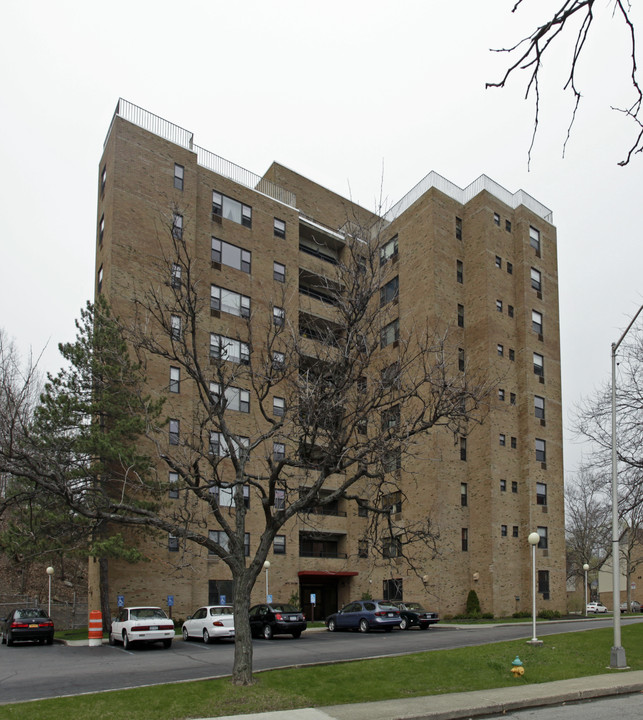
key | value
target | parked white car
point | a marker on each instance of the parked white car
(141, 625)
(211, 622)
(596, 607)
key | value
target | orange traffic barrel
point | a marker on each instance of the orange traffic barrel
(95, 628)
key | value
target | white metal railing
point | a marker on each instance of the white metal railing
(463, 196)
(184, 138)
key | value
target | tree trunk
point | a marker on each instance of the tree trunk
(242, 667)
(104, 595)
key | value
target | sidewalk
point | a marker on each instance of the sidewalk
(455, 706)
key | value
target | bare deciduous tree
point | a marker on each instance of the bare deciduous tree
(574, 21)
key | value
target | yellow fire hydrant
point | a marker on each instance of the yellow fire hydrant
(517, 670)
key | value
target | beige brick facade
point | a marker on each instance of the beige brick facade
(467, 254)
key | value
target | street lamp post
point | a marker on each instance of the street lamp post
(534, 539)
(50, 572)
(266, 567)
(585, 568)
(617, 655)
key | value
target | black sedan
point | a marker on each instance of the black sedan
(27, 624)
(414, 615)
(276, 619)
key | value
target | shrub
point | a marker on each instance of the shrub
(473, 604)
(549, 614)
(487, 616)
(522, 614)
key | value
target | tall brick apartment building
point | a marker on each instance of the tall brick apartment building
(481, 261)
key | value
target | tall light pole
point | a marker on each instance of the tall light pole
(50, 572)
(266, 567)
(617, 655)
(534, 539)
(585, 568)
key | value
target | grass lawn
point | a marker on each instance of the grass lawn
(562, 656)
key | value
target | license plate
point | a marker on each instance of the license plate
(154, 627)
(33, 625)
(391, 614)
(293, 618)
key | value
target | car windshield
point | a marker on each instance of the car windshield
(387, 606)
(221, 611)
(147, 614)
(30, 613)
(285, 608)
(413, 606)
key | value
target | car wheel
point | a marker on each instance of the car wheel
(9, 640)
(424, 627)
(363, 625)
(111, 639)
(186, 635)
(167, 643)
(267, 632)
(404, 624)
(41, 641)
(3, 641)
(50, 641)
(332, 626)
(206, 636)
(127, 644)
(297, 635)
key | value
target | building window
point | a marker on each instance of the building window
(179, 172)
(510, 310)
(231, 255)
(280, 499)
(175, 324)
(175, 380)
(536, 279)
(512, 354)
(502, 439)
(514, 531)
(279, 545)
(514, 443)
(503, 531)
(500, 349)
(501, 394)
(362, 548)
(498, 261)
(390, 291)
(514, 487)
(541, 493)
(512, 398)
(496, 219)
(392, 503)
(224, 496)
(389, 376)
(464, 496)
(543, 583)
(534, 239)
(278, 360)
(459, 271)
(463, 448)
(388, 250)
(219, 537)
(543, 543)
(279, 272)
(172, 543)
(510, 268)
(458, 228)
(235, 398)
(541, 450)
(229, 302)
(246, 544)
(499, 305)
(392, 461)
(461, 359)
(174, 432)
(391, 417)
(539, 365)
(503, 486)
(173, 480)
(177, 226)
(279, 228)
(508, 225)
(461, 316)
(278, 451)
(537, 322)
(278, 406)
(390, 333)
(101, 230)
(391, 547)
(225, 348)
(175, 275)
(220, 448)
(223, 206)
(392, 590)
(539, 407)
(278, 316)
(99, 282)
(103, 179)
(464, 536)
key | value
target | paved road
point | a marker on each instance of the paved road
(623, 707)
(30, 672)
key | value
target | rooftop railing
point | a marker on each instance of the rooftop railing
(185, 139)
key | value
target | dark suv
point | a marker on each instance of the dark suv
(365, 615)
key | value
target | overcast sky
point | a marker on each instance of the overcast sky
(345, 92)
